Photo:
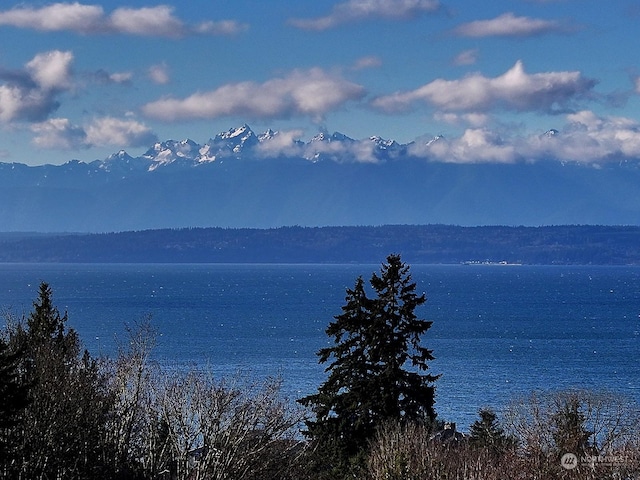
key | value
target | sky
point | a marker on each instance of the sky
(84, 80)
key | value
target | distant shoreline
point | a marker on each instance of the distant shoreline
(419, 244)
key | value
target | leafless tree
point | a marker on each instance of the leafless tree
(222, 429)
(137, 434)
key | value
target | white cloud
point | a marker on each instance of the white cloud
(58, 134)
(310, 93)
(222, 27)
(56, 17)
(31, 94)
(514, 90)
(52, 70)
(61, 134)
(476, 145)
(468, 57)
(367, 62)
(589, 138)
(17, 103)
(158, 21)
(121, 77)
(283, 143)
(114, 131)
(585, 138)
(104, 77)
(472, 119)
(357, 10)
(347, 150)
(159, 74)
(147, 21)
(509, 25)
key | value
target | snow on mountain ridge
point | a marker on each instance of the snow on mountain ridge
(243, 143)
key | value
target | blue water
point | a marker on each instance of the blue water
(498, 331)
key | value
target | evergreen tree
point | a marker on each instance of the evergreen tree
(569, 430)
(68, 400)
(13, 400)
(377, 369)
(487, 432)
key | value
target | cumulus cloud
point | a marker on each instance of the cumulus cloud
(51, 70)
(159, 74)
(367, 62)
(101, 76)
(283, 143)
(146, 21)
(471, 119)
(114, 131)
(468, 57)
(31, 94)
(57, 17)
(61, 134)
(585, 138)
(358, 10)
(475, 145)
(222, 27)
(509, 25)
(310, 93)
(17, 103)
(337, 147)
(90, 19)
(58, 134)
(589, 138)
(514, 90)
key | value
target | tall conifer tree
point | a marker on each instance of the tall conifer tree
(67, 399)
(377, 369)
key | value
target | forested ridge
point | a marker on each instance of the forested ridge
(546, 245)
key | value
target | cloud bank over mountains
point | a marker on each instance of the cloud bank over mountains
(240, 179)
(585, 138)
(33, 95)
(67, 102)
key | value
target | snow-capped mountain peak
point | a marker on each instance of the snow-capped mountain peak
(121, 155)
(324, 136)
(232, 142)
(172, 151)
(267, 135)
(382, 143)
(244, 130)
(437, 138)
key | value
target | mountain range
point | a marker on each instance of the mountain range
(241, 179)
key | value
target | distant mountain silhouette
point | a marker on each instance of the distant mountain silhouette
(240, 179)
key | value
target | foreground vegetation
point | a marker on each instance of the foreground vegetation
(67, 415)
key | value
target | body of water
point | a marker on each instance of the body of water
(498, 331)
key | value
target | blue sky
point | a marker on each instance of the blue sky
(83, 80)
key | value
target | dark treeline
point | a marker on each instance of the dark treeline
(67, 415)
(550, 245)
